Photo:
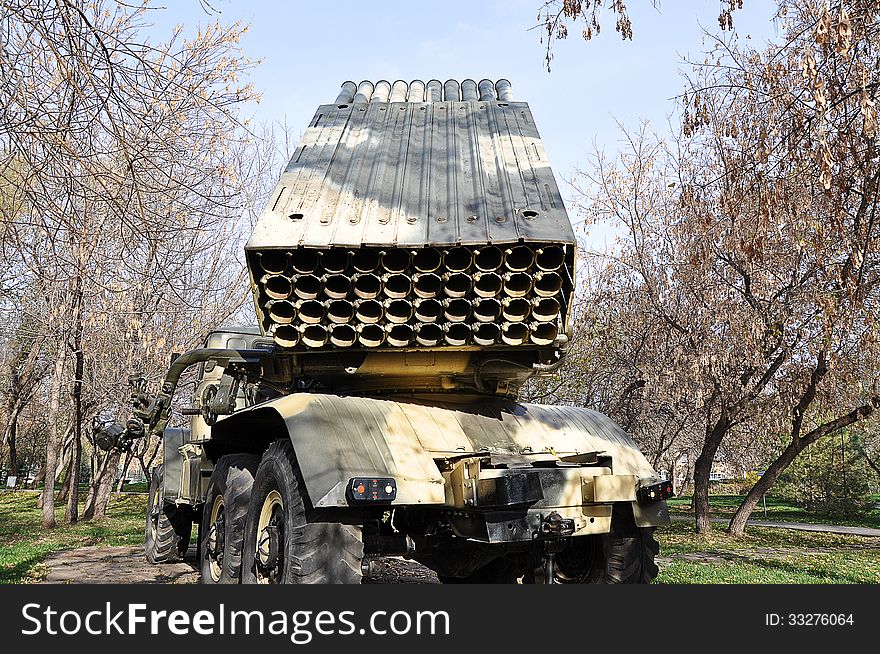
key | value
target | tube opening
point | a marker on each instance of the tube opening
(281, 311)
(428, 310)
(550, 258)
(398, 311)
(457, 333)
(547, 284)
(337, 286)
(519, 258)
(311, 311)
(304, 260)
(458, 259)
(371, 335)
(340, 311)
(487, 284)
(367, 286)
(457, 284)
(397, 285)
(278, 287)
(286, 335)
(314, 336)
(488, 259)
(343, 335)
(429, 334)
(516, 309)
(487, 333)
(427, 260)
(487, 310)
(335, 260)
(400, 335)
(457, 309)
(546, 309)
(369, 311)
(396, 260)
(273, 262)
(307, 287)
(427, 285)
(365, 261)
(514, 333)
(544, 333)
(517, 284)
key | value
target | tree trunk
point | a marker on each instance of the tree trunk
(53, 441)
(72, 514)
(103, 487)
(125, 465)
(702, 468)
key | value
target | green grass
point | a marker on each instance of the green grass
(766, 556)
(778, 510)
(24, 544)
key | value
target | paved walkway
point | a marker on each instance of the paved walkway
(799, 526)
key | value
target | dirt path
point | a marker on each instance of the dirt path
(126, 565)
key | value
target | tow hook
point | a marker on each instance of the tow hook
(555, 526)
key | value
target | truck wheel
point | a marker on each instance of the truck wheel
(624, 556)
(224, 516)
(282, 547)
(168, 527)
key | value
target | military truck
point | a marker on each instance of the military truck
(412, 269)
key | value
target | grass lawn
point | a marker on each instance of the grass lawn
(763, 556)
(778, 510)
(24, 544)
(766, 556)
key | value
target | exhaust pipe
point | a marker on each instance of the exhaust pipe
(516, 309)
(487, 284)
(336, 286)
(488, 258)
(367, 286)
(398, 311)
(314, 335)
(343, 335)
(273, 262)
(286, 335)
(400, 335)
(427, 259)
(304, 260)
(397, 285)
(519, 258)
(487, 333)
(307, 287)
(514, 333)
(339, 311)
(368, 311)
(487, 310)
(278, 287)
(547, 284)
(544, 333)
(457, 333)
(310, 312)
(335, 261)
(428, 311)
(517, 284)
(458, 259)
(370, 335)
(281, 311)
(550, 258)
(396, 260)
(545, 309)
(457, 284)
(456, 309)
(365, 261)
(429, 334)
(427, 285)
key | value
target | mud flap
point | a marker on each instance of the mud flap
(654, 514)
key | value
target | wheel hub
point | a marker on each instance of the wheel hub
(268, 546)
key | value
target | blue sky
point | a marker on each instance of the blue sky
(309, 48)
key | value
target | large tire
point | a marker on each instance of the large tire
(168, 527)
(624, 556)
(293, 550)
(224, 517)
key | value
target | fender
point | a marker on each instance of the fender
(339, 437)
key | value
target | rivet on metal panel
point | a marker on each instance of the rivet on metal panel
(471, 219)
(411, 220)
(421, 108)
(500, 219)
(441, 219)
